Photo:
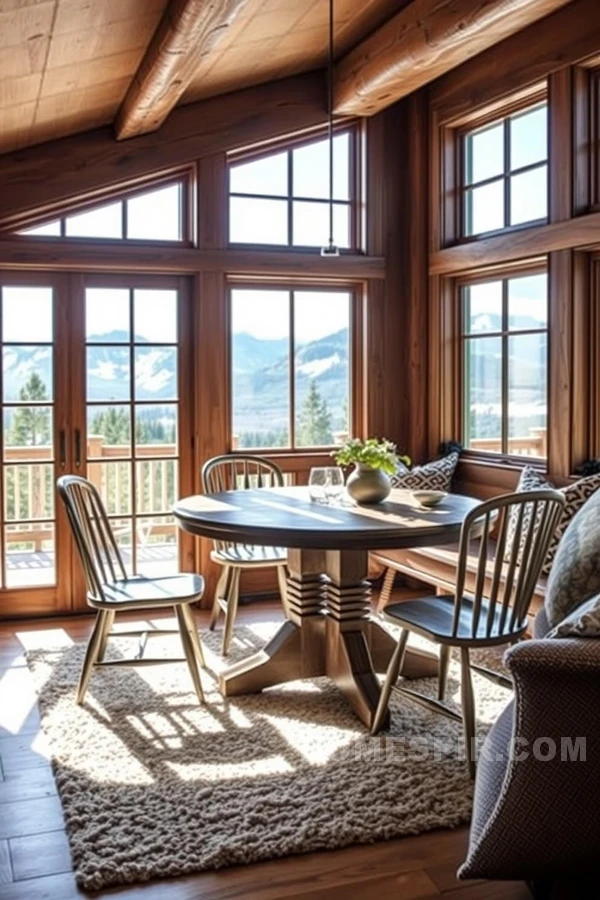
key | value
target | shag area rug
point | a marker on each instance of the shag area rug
(155, 785)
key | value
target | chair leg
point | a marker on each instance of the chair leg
(443, 676)
(108, 624)
(91, 654)
(233, 596)
(191, 623)
(220, 593)
(468, 710)
(390, 680)
(189, 651)
(385, 594)
(282, 578)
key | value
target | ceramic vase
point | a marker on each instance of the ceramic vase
(366, 485)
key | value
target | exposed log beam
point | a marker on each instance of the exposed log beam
(83, 256)
(188, 31)
(423, 41)
(86, 165)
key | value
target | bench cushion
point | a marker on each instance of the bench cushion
(437, 566)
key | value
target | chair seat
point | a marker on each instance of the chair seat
(433, 617)
(249, 555)
(139, 591)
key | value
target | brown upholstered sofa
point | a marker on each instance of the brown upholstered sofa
(536, 817)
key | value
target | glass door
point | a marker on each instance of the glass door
(34, 548)
(137, 443)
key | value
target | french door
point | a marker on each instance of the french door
(96, 381)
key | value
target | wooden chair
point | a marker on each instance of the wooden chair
(111, 590)
(469, 622)
(240, 471)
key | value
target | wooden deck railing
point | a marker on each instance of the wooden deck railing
(533, 444)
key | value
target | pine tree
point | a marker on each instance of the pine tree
(314, 420)
(31, 425)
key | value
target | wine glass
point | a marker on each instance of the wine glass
(334, 484)
(317, 481)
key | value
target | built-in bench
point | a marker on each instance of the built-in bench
(436, 566)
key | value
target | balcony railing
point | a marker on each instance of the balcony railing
(533, 444)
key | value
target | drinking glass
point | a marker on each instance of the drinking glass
(334, 485)
(317, 481)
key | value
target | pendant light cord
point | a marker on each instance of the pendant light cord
(330, 102)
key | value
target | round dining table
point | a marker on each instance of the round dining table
(329, 628)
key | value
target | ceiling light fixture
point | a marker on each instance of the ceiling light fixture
(331, 249)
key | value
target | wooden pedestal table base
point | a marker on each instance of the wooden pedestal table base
(328, 632)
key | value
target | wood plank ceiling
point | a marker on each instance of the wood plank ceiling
(66, 65)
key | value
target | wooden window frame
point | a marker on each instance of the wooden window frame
(185, 178)
(452, 398)
(288, 145)
(448, 147)
(356, 387)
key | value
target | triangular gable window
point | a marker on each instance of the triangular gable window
(151, 215)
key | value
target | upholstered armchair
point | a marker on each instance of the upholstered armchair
(536, 814)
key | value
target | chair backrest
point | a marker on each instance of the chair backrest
(98, 550)
(238, 472)
(514, 568)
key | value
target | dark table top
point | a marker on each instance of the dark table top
(286, 517)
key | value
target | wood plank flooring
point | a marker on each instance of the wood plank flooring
(34, 854)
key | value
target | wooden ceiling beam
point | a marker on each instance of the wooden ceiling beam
(188, 32)
(423, 41)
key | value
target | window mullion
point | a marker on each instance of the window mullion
(505, 367)
(292, 370)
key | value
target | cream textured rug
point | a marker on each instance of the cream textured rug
(154, 785)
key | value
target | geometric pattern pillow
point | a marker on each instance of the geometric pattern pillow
(576, 494)
(575, 574)
(584, 621)
(432, 476)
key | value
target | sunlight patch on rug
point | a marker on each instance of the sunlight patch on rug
(155, 785)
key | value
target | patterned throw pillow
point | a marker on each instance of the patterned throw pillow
(575, 575)
(584, 621)
(576, 495)
(433, 476)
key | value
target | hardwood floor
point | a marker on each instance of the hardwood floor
(34, 854)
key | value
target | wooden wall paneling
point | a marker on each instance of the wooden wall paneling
(582, 136)
(435, 364)
(581, 231)
(386, 412)
(423, 41)
(49, 254)
(568, 35)
(584, 354)
(87, 164)
(416, 213)
(593, 373)
(560, 363)
(560, 135)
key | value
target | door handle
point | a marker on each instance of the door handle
(77, 448)
(62, 449)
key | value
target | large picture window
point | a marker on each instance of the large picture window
(282, 199)
(505, 363)
(290, 364)
(505, 172)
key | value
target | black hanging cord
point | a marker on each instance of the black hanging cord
(330, 249)
(330, 101)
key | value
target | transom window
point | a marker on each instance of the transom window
(505, 172)
(505, 365)
(290, 364)
(152, 215)
(283, 199)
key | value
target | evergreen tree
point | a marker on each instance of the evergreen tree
(112, 424)
(314, 420)
(31, 425)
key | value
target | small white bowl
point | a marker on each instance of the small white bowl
(428, 499)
